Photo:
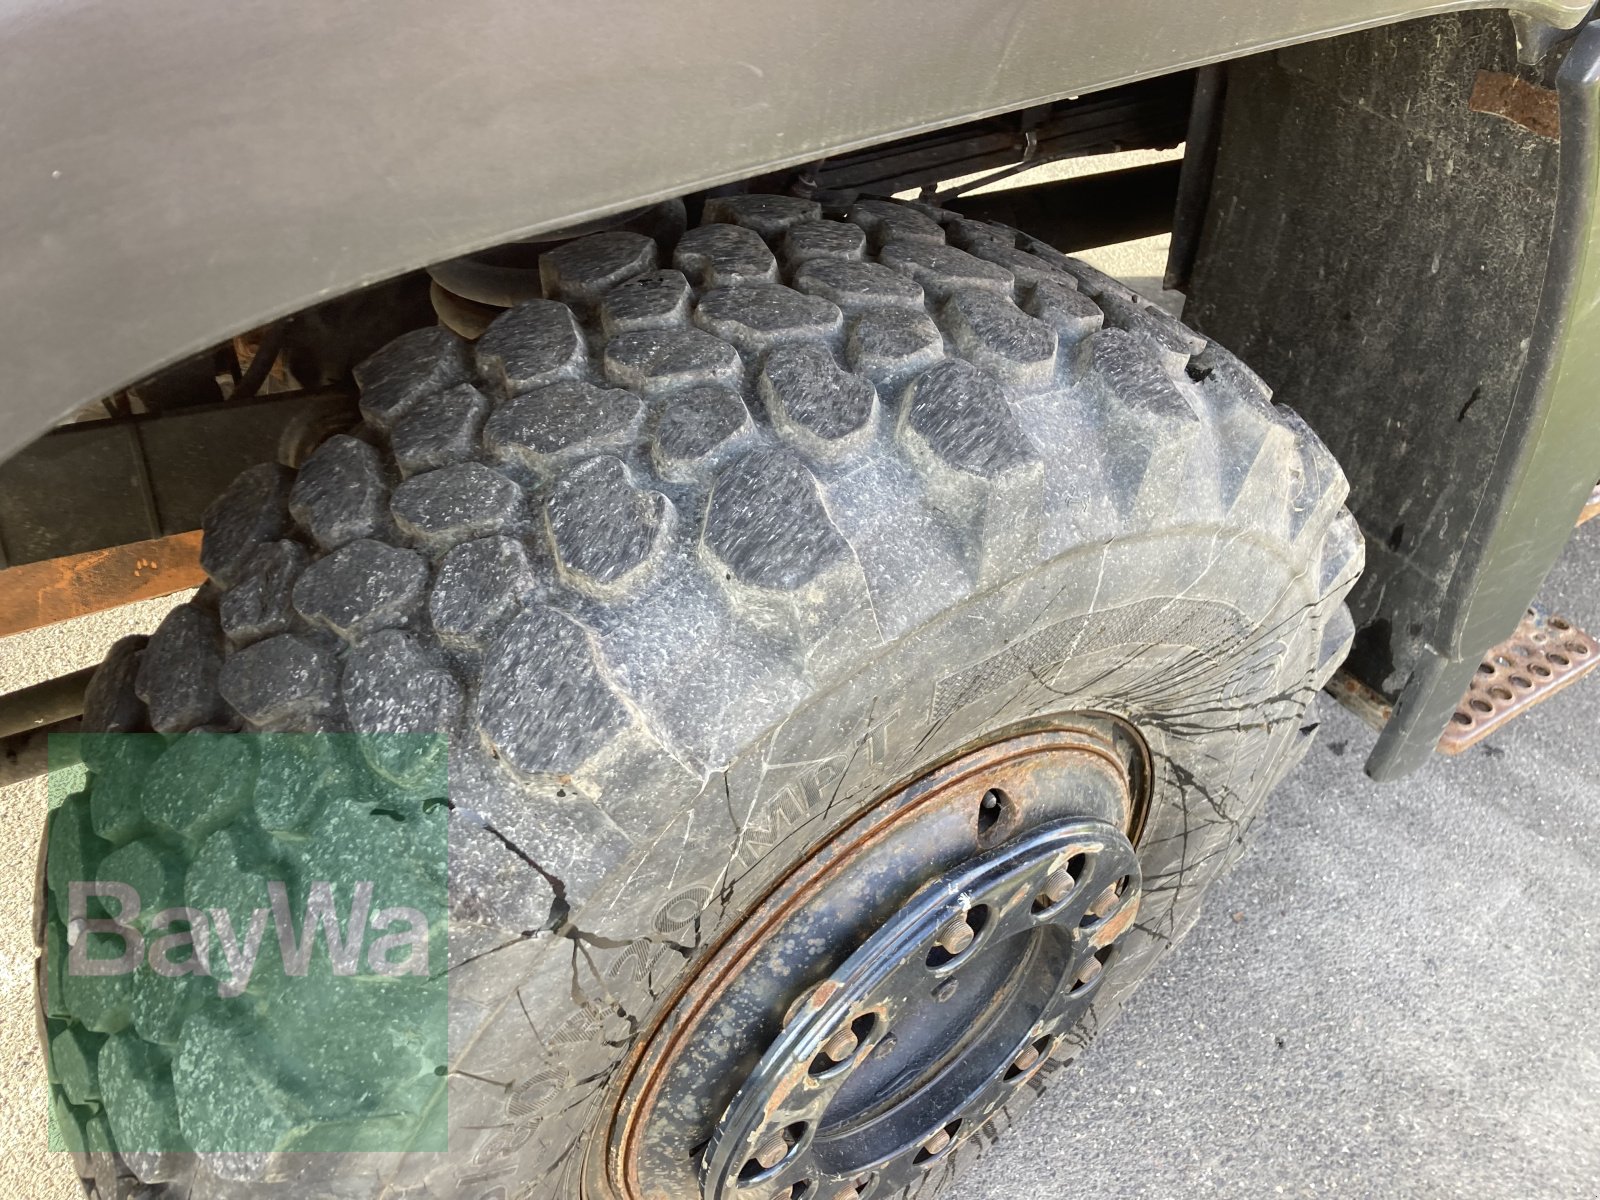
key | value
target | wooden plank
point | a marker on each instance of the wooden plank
(37, 594)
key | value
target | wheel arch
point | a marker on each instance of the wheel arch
(182, 173)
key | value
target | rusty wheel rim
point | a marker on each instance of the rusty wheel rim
(1050, 811)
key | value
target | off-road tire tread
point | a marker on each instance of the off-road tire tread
(506, 504)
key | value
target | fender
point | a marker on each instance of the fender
(177, 171)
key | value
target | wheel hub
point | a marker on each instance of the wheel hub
(932, 1025)
(895, 987)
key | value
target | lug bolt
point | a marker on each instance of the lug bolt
(1090, 971)
(1057, 886)
(1104, 902)
(841, 1045)
(772, 1151)
(955, 935)
(1026, 1060)
(937, 1144)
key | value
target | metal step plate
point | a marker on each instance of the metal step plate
(1544, 655)
(1591, 510)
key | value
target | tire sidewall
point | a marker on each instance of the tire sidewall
(1204, 639)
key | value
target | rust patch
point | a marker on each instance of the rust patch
(1371, 706)
(1536, 109)
(37, 594)
(1544, 655)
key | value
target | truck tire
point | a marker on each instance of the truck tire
(725, 554)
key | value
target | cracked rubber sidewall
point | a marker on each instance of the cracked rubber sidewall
(1221, 702)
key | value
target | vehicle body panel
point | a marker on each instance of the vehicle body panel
(179, 171)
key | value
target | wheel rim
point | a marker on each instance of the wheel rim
(898, 985)
(880, 1073)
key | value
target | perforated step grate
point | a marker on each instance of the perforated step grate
(1544, 655)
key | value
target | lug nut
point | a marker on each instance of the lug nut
(937, 1144)
(955, 935)
(1026, 1060)
(841, 1045)
(772, 1151)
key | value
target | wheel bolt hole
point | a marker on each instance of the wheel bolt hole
(1091, 970)
(1030, 1057)
(990, 809)
(842, 1047)
(955, 936)
(1104, 904)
